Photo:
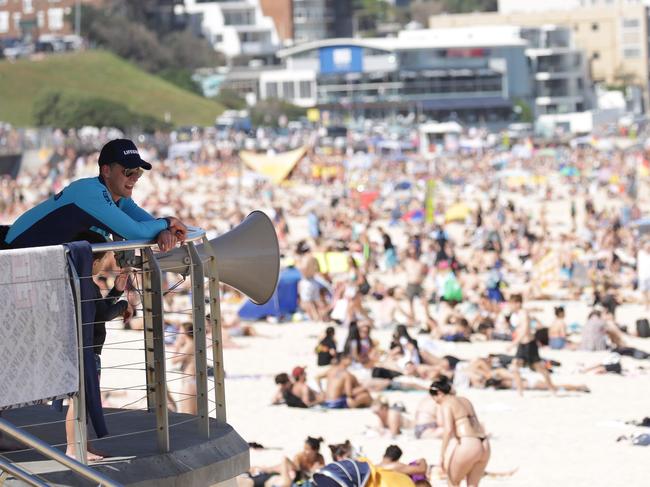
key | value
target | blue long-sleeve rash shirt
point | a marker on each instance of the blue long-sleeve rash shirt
(83, 204)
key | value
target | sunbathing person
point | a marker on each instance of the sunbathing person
(285, 395)
(302, 390)
(343, 389)
(611, 365)
(428, 419)
(504, 379)
(288, 472)
(417, 470)
(465, 450)
(391, 416)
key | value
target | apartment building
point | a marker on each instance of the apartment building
(239, 29)
(614, 34)
(315, 20)
(33, 18)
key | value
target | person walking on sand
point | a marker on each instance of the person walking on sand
(465, 449)
(527, 348)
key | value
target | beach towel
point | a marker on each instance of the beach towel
(38, 330)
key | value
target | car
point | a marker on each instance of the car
(17, 49)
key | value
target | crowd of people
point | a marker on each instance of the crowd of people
(466, 247)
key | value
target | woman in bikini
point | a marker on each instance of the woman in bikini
(465, 448)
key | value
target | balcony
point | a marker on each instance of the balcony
(257, 48)
(149, 444)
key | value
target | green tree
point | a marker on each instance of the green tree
(230, 99)
(523, 110)
(67, 110)
(268, 112)
(119, 28)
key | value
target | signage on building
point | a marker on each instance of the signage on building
(341, 59)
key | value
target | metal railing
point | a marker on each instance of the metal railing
(148, 288)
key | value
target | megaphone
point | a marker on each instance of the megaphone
(248, 257)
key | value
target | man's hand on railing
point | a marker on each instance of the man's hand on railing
(177, 228)
(166, 241)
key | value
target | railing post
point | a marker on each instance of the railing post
(79, 399)
(215, 323)
(198, 326)
(155, 346)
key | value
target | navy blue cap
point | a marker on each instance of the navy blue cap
(124, 152)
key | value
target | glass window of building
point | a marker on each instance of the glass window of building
(271, 90)
(55, 18)
(4, 22)
(305, 89)
(288, 91)
(631, 23)
(631, 53)
(16, 18)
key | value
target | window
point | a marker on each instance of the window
(16, 17)
(55, 18)
(631, 53)
(271, 90)
(237, 18)
(288, 91)
(4, 22)
(40, 19)
(305, 89)
(28, 7)
(630, 23)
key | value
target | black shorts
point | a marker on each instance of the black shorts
(614, 368)
(413, 290)
(528, 353)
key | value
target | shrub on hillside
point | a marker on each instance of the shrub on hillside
(268, 112)
(65, 111)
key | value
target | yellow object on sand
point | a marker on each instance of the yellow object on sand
(332, 262)
(276, 167)
(386, 478)
(457, 212)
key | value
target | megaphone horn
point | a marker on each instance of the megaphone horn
(248, 257)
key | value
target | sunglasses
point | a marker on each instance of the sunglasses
(130, 172)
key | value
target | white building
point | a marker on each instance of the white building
(527, 6)
(239, 28)
(560, 72)
(467, 74)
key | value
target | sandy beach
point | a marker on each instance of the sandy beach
(568, 440)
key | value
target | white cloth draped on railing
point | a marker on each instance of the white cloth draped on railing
(38, 331)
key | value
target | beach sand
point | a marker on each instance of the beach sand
(569, 440)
